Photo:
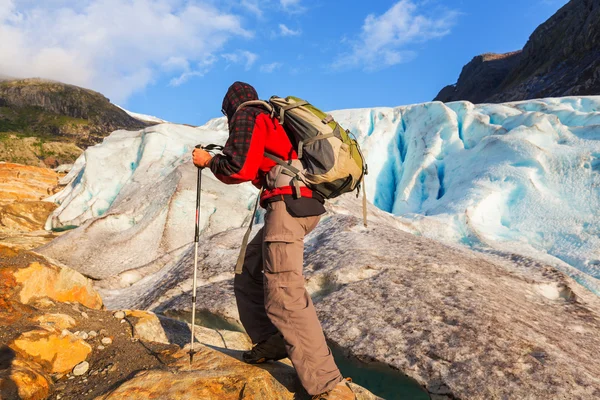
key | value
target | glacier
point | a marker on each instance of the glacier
(522, 177)
(519, 178)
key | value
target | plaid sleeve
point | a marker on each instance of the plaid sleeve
(244, 150)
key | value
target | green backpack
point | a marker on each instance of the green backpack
(332, 161)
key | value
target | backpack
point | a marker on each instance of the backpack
(332, 161)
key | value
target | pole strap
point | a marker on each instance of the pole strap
(239, 266)
(364, 203)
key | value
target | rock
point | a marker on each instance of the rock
(24, 380)
(119, 314)
(59, 353)
(480, 77)
(25, 216)
(56, 321)
(51, 162)
(214, 375)
(35, 278)
(83, 335)
(147, 326)
(43, 303)
(558, 60)
(25, 183)
(179, 333)
(63, 168)
(106, 341)
(100, 347)
(85, 315)
(81, 368)
(93, 334)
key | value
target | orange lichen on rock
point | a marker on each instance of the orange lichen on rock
(25, 380)
(60, 284)
(24, 182)
(213, 375)
(60, 353)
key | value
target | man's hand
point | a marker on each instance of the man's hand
(201, 158)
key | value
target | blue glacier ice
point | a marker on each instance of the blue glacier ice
(520, 177)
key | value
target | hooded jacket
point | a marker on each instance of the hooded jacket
(252, 132)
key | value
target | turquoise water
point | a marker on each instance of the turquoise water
(378, 378)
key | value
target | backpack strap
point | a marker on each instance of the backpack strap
(257, 103)
(292, 171)
(282, 110)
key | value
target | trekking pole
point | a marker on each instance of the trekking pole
(210, 147)
(196, 240)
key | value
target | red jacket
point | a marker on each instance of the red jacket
(252, 132)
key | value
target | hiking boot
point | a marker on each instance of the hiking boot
(341, 392)
(272, 349)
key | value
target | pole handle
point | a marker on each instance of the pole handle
(209, 147)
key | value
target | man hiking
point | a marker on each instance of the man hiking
(274, 306)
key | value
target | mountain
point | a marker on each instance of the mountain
(44, 120)
(481, 247)
(561, 58)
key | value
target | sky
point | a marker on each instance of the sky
(175, 59)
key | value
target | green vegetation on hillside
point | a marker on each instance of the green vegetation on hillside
(36, 116)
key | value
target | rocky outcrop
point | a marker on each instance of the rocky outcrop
(22, 213)
(22, 182)
(57, 109)
(561, 58)
(480, 77)
(25, 216)
(48, 123)
(56, 341)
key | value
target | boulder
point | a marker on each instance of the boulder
(57, 352)
(24, 380)
(31, 276)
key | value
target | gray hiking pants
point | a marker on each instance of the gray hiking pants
(277, 300)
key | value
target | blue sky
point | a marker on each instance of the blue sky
(176, 58)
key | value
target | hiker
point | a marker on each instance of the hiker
(274, 306)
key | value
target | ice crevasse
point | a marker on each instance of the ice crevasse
(522, 177)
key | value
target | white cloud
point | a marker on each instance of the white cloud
(253, 7)
(292, 6)
(114, 46)
(383, 39)
(269, 68)
(186, 71)
(241, 57)
(285, 31)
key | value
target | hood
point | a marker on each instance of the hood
(237, 94)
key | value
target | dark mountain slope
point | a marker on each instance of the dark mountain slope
(561, 58)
